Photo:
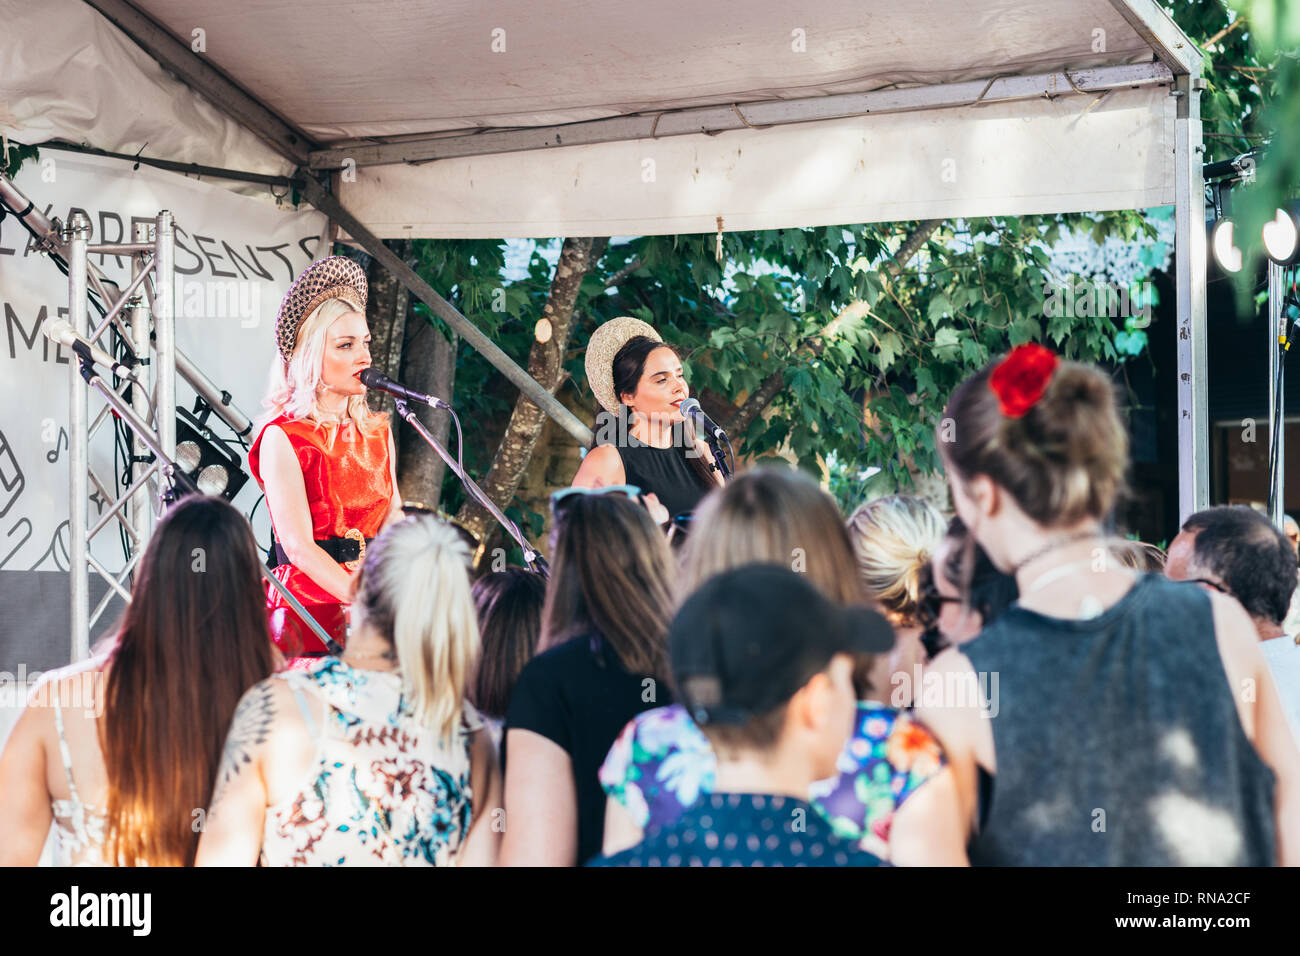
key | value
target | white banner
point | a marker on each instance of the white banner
(235, 258)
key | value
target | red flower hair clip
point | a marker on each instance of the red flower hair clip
(1020, 379)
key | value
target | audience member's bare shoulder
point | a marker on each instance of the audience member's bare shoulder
(946, 703)
(1238, 644)
(602, 464)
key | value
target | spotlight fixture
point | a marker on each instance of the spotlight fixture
(1223, 244)
(205, 459)
(1282, 235)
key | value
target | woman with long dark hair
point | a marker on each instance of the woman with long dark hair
(644, 440)
(121, 750)
(509, 605)
(603, 658)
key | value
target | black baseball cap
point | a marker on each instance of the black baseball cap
(749, 638)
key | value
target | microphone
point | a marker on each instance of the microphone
(691, 409)
(377, 380)
(61, 331)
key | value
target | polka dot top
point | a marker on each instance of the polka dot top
(743, 829)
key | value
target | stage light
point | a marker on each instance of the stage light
(188, 456)
(1282, 235)
(205, 459)
(1222, 242)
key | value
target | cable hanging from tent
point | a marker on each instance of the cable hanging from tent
(190, 169)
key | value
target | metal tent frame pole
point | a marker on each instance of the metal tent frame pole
(720, 119)
(1190, 264)
(329, 204)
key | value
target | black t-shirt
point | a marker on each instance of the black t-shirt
(579, 695)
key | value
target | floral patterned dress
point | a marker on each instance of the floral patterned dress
(385, 790)
(661, 764)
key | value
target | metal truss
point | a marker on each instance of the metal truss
(143, 315)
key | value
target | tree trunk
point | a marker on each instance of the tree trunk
(429, 365)
(409, 349)
(546, 365)
(386, 314)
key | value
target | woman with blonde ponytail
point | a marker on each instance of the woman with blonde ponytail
(374, 757)
(893, 540)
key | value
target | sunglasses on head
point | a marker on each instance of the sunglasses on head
(558, 498)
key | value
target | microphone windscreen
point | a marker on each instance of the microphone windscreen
(57, 331)
(373, 378)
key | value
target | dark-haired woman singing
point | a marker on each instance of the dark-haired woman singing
(638, 380)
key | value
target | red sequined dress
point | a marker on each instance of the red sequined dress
(348, 478)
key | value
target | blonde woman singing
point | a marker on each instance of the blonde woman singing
(325, 461)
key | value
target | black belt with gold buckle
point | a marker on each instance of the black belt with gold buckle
(348, 551)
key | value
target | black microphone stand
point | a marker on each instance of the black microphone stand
(180, 484)
(534, 558)
(714, 438)
(719, 458)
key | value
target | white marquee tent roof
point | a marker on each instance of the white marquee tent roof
(468, 118)
(349, 76)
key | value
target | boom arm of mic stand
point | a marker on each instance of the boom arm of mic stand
(531, 555)
(179, 479)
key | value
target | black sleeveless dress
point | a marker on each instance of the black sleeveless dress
(1118, 741)
(664, 472)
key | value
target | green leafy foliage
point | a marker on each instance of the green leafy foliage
(1252, 98)
(870, 393)
(16, 156)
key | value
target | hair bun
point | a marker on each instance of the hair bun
(1062, 461)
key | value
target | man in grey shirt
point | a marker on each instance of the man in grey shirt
(1237, 551)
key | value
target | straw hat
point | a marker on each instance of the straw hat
(337, 277)
(604, 345)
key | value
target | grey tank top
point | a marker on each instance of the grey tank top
(1117, 740)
